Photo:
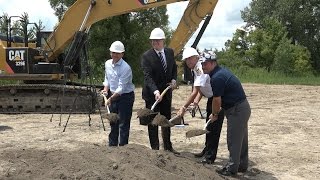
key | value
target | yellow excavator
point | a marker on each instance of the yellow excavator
(42, 66)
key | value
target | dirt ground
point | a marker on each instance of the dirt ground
(284, 136)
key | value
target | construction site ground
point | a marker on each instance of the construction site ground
(284, 136)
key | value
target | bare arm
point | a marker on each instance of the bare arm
(190, 99)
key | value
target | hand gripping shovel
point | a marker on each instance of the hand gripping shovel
(146, 115)
(112, 117)
(198, 132)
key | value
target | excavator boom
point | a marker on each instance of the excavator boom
(45, 69)
(84, 13)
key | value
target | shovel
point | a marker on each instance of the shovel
(198, 132)
(112, 117)
(145, 113)
(164, 122)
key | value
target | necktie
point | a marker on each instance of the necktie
(163, 62)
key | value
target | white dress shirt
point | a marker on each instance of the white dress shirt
(202, 80)
(118, 77)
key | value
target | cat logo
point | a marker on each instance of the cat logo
(16, 55)
(145, 2)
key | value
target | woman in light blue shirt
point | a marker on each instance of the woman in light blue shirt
(120, 92)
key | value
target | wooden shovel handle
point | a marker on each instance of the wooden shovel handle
(162, 94)
(205, 126)
(105, 101)
(176, 116)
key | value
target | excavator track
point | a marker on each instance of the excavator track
(46, 98)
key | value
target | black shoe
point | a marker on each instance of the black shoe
(200, 154)
(242, 170)
(207, 161)
(225, 172)
(173, 151)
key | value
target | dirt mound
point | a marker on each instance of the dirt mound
(102, 162)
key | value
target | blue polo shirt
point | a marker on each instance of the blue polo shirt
(226, 85)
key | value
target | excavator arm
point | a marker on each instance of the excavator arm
(45, 69)
(83, 13)
(195, 12)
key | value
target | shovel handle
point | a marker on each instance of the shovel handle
(205, 126)
(154, 105)
(108, 110)
(105, 100)
(176, 116)
(162, 94)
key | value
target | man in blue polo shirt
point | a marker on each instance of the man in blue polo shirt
(228, 94)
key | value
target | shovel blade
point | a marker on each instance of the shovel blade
(112, 117)
(195, 132)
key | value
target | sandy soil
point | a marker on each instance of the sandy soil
(284, 136)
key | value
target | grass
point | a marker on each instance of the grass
(261, 76)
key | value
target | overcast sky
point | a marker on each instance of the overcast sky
(225, 20)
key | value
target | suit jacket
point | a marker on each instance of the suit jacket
(155, 78)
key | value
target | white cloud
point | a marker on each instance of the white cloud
(36, 9)
(225, 20)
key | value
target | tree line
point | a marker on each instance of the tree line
(279, 35)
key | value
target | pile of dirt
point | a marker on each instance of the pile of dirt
(102, 162)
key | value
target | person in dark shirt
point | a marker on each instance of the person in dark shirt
(228, 94)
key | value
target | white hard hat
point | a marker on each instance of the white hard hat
(157, 33)
(188, 52)
(117, 47)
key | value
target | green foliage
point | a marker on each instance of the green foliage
(300, 17)
(60, 6)
(262, 76)
(264, 41)
(267, 47)
(17, 25)
(284, 59)
(302, 64)
(3, 23)
(133, 31)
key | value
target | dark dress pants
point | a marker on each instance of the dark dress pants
(164, 107)
(122, 105)
(213, 136)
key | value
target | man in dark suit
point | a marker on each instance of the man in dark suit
(160, 70)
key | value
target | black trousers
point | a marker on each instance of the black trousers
(212, 138)
(164, 107)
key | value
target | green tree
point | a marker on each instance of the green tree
(3, 23)
(264, 41)
(60, 6)
(292, 59)
(17, 26)
(300, 17)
